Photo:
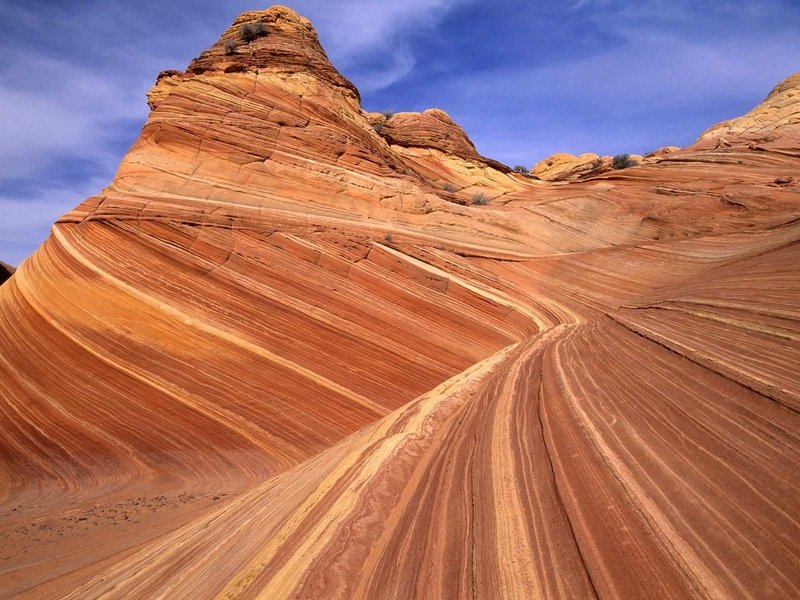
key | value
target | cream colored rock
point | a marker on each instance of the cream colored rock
(662, 151)
(773, 123)
(568, 167)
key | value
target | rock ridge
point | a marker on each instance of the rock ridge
(772, 124)
(288, 45)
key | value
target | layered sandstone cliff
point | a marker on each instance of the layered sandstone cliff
(275, 358)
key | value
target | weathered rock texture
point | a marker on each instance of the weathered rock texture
(563, 166)
(275, 359)
(774, 123)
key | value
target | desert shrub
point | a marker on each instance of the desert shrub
(521, 169)
(229, 46)
(387, 114)
(251, 31)
(597, 163)
(479, 199)
(449, 187)
(378, 127)
(623, 161)
(388, 238)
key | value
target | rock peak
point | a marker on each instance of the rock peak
(791, 82)
(275, 14)
(772, 123)
(275, 40)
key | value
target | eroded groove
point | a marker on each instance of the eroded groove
(563, 507)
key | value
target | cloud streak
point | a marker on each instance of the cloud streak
(58, 107)
(373, 40)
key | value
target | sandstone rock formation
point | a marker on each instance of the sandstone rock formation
(773, 123)
(440, 150)
(275, 359)
(6, 271)
(566, 167)
(663, 151)
(563, 166)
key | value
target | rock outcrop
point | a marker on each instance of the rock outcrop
(563, 166)
(434, 129)
(286, 44)
(772, 124)
(439, 150)
(662, 151)
(276, 359)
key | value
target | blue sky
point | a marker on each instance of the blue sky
(524, 78)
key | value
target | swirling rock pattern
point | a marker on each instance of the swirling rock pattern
(276, 359)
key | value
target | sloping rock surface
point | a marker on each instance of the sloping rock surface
(774, 123)
(276, 359)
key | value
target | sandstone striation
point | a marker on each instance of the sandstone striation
(275, 358)
(434, 129)
(438, 149)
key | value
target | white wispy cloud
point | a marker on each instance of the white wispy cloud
(370, 40)
(57, 109)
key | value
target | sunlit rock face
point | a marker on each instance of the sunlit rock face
(773, 124)
(287, 354)
(563, 166)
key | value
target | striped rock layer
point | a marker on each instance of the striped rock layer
(276, 358)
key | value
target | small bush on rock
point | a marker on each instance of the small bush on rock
(521, 169)
(623, 161)
(230, 47)
(479, 199)
(449, 187)
(251, 31)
